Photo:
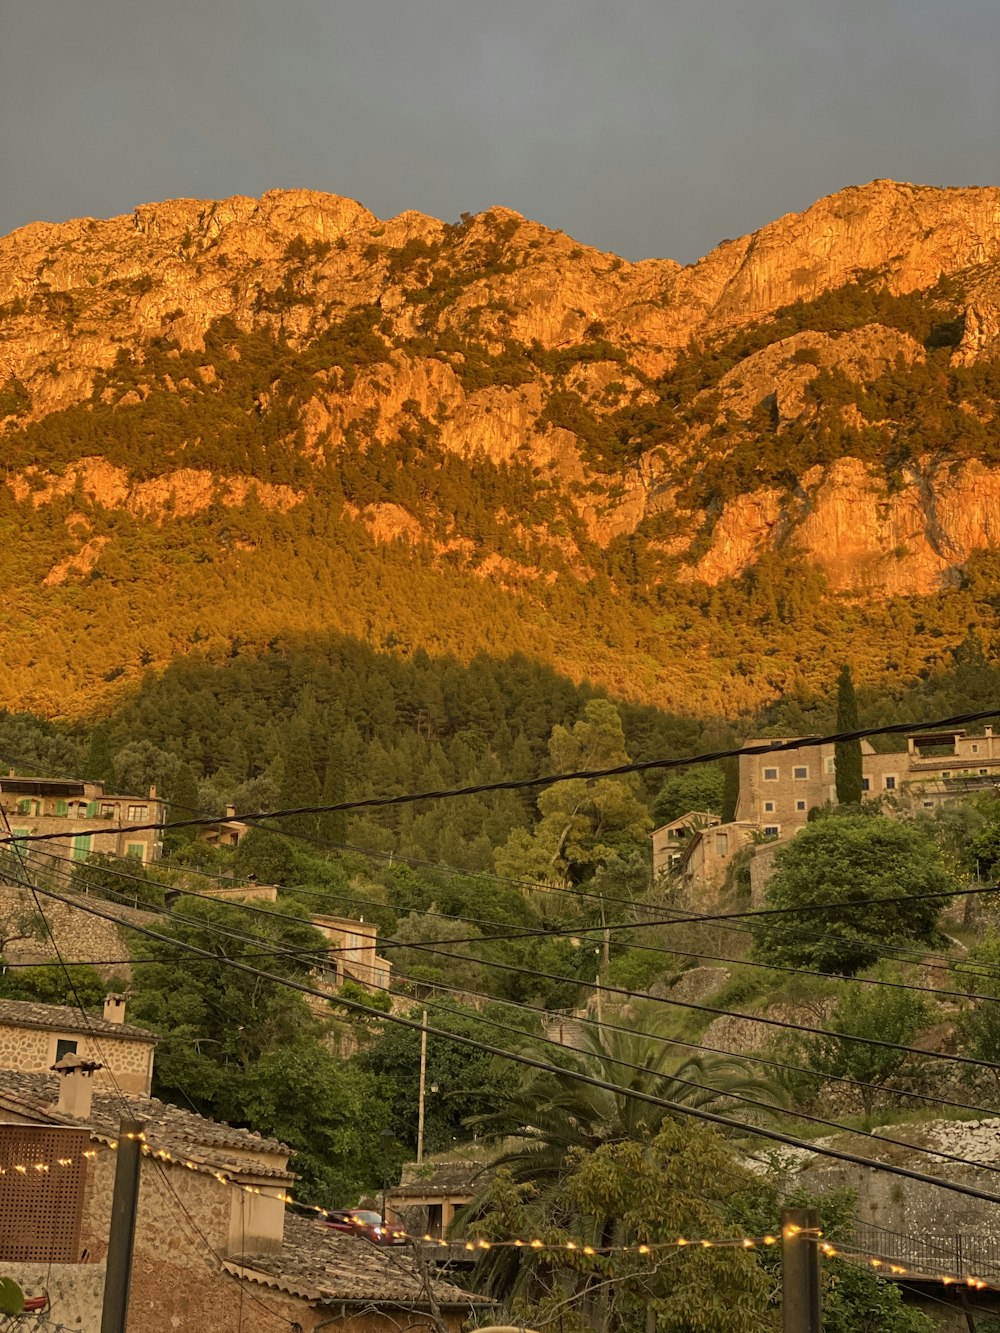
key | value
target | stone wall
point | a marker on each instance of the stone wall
(79, 934)
(75, 1291)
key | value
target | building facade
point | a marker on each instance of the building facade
(34, 1037)
(215, 1246)
(83, 818)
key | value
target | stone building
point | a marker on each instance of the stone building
(428, 1196)
(670, 840)
(83, 816)
(778, 790)
(33, 1037)
(353, 952)
(216, 1248)
(708, 853)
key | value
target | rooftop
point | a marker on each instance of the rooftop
(320, 1264)
(444, 1178)
(168, 1128)
(28, 1014)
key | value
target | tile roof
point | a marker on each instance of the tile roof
(170, 1128)
(444, 1178)
(320, 1264)
(28, 1014)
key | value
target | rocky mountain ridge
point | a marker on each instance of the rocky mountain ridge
(825, 386)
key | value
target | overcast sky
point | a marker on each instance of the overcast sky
(647, 127)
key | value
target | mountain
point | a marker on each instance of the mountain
(233, 425)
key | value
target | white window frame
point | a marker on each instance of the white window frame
(769, 775)
(890, 782)
(768, 807)
(800, 805)
(772, 830)
(800, 773)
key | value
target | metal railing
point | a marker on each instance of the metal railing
(957, 1255)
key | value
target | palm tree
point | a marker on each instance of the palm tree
(552, 1114)
(547, 1124)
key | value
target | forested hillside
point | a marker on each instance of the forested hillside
(232, 427)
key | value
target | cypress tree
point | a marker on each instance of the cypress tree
(184, 801)
(299, 781)
(100, 766)
(847, 754)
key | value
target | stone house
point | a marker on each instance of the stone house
(777, 791)
(216, 1247)
(83, 815)
(34, 1037)
(708, 853)
(670, 840)
(353, 952)
(428, 1196)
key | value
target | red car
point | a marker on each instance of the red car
(363, 1222)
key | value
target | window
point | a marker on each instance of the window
(24, 807)
(983, 772)
(800, 774)
(138, 811)
(768, 807)
(770, 774)
(975, 749)
(866, 784)
(107, 810)
(800, 805)
(136, 850)
(928, 805)
(831, 766)
(64, 1046)
(722, 844)
(61, 807)
(81, 846)
(771, 830)
(890, 782)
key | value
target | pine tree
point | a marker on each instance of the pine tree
(333, 824)
(299, 781)
(847, 754)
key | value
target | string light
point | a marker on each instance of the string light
(645, 1249)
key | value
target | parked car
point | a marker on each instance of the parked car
(365, 1223)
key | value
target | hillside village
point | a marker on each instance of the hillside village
(112, 865)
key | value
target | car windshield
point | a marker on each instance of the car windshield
(374, 1218)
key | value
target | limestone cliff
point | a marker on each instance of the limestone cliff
(825, 386)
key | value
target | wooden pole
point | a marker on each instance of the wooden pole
(420, 1095)
(800, 1282)
(121, 1238)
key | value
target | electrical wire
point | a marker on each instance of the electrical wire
(574, 932)
(550, 779)
(576, 981)
(679, 1108)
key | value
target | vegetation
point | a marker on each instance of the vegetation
(888, 872)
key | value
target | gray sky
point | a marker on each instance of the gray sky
(648, 127)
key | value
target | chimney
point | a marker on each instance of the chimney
(152, 793)
(230, 811)
(988, 731)
(76, 1086)
(114, 1008)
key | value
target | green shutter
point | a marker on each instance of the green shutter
(61, 807)
(24, 807)
(136, 850)
(81, 846)
(92, 810)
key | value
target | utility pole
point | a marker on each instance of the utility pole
(420, 1095)
(800, 1286)
(121, 1237)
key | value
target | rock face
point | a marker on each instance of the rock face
(825, 386)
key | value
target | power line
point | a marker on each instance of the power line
(679, 1108)
(550, 779)
(575, 932)
(576, 981)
